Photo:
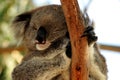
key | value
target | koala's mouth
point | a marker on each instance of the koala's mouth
(43, 45)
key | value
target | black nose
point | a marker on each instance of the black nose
(41, 35)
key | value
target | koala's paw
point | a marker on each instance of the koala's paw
(90, 34)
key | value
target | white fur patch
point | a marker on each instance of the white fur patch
(43, 46)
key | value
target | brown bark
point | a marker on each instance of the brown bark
(79, 67)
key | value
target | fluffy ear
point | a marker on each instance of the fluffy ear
(21, 24)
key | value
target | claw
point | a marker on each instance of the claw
(90, 34)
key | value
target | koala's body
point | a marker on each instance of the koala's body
(44, 34)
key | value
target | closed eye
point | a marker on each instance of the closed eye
(34, 28)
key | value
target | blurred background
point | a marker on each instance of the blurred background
(104, 13)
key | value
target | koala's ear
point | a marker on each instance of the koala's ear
(21, 24)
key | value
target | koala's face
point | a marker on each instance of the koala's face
(41, 27)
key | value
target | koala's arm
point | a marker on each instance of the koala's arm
(97, 63)
(98, 68)
(37, 69)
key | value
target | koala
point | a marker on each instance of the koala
(44, 34)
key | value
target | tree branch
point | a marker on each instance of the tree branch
(11, 48)
(79, 68)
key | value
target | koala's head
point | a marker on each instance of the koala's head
(41, 27)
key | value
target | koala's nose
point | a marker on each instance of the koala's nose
(41, 35)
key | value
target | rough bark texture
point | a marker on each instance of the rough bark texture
(79, 67)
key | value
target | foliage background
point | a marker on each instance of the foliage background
(9, 57)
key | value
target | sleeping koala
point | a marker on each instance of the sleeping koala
(44, 33)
